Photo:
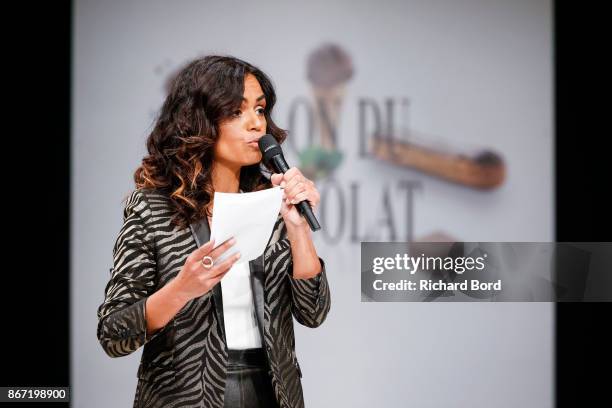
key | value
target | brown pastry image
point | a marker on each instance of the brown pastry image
(483, 169)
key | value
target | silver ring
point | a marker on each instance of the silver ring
(209, 264)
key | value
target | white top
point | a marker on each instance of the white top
(241, 330)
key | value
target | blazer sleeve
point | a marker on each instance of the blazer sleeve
(310, 297)
(121, 317)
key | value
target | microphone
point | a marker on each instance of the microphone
(273, 156)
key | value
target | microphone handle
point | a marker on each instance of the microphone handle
(303, 206)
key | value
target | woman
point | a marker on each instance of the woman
(165, 289)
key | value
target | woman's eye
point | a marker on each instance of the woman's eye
(236, 113)
(261, 111)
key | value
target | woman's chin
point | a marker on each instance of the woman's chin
(251, 158)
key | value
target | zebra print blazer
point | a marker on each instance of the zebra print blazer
(184, 363)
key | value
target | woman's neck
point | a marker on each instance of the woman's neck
(225, 178)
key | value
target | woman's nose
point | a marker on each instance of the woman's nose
(255, 121)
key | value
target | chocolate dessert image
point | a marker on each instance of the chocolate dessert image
(483, 169)
(329, 69)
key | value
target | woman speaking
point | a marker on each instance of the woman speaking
(204, 347)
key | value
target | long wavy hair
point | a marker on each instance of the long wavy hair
(180, 147)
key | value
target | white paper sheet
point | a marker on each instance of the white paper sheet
(248, 217)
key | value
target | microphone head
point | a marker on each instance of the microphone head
(269, 147)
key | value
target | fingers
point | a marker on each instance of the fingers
(295, 182)
(200, 252)
(291, 190)
(215, 253)
(300, 191)
(312, 197)
(300, 197)
(296, 187)
(276, 179)
(292, 177)
(292, 172)
(222, 268)
(209, 249)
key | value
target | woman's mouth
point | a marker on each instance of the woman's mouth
(254, 142)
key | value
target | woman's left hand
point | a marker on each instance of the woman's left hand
(297, 188)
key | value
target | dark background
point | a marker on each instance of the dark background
(36, 146)
(583, 170)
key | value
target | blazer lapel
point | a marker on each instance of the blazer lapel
(201, 232)
(257, 287)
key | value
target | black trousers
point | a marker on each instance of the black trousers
(248, 384)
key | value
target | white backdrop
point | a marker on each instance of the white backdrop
(477, 74)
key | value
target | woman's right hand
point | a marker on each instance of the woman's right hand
(194, 280)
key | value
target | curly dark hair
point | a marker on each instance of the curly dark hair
(180, 147)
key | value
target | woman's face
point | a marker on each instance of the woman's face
(238, 136)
